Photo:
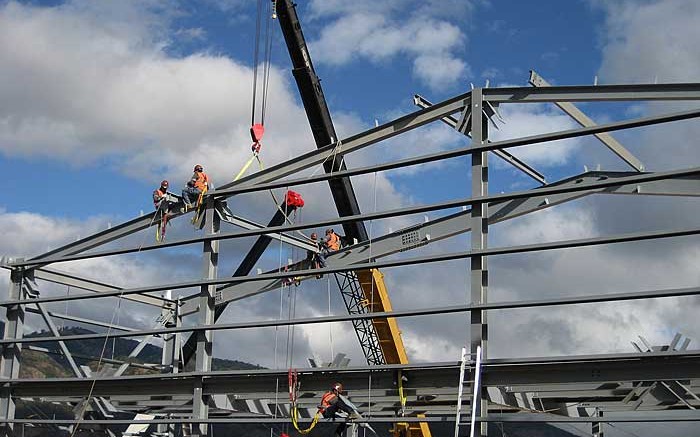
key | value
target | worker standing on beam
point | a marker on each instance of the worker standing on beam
(198, 184)
(316, 259)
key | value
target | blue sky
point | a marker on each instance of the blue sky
(100, 100)
(496, 42)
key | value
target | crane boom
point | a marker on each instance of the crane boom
(374, 296)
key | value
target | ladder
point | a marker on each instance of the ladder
(476, 389)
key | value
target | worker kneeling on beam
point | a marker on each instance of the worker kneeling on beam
(332, 403)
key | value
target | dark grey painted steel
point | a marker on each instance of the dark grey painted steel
(204, 339)
(534, 139)
(587, 369)
(645, 177)
(91, 358)
(10, 358)
(357, 142)
(594, 93)
(422, 117)
(622, 238)
(582, 119)
(75, 281)
(436, 230)
(597, 298)
(479, 223)
(81, 320)
(508, 157)
(510, 418)
(61, 344)
(249, 224)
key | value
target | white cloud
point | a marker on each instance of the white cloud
(647, 41)
(526, 120)
(91, 86)
(430, 43)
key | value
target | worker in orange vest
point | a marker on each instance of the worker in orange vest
(331, 403)
(332, 240)
(198, 183)
(160, 201)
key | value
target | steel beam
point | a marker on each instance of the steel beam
(505, 155)
(531, 372)
(62, 345)
(638, 178)
(82, 320)
(11, 353)
(582, 119)
(496, 418)
(584, 242)
(356, 142)
(420, 118)
(496, 145)
(75, 281)
(595, 93)
(92, 358)
(590, 298)
(249, 224)
(200, 402)
(479, 241)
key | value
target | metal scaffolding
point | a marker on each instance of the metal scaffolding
(607, 388)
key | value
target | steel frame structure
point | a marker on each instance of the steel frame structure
(202, 397)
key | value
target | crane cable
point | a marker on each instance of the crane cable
(266, 63)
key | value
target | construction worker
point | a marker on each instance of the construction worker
(332, 240)
(198, 183)
(160, 198)
(316, 259)
(331, 403)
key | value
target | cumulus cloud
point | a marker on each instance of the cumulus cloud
(526, 120)
(368, 30)
(638, 49)
(91, 86)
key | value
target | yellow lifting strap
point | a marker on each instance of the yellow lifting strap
(402, 398)
(247, 164)
(295, 415)
(198, 207)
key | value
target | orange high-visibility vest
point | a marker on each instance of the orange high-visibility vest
(333, 241)
(326, 401)
(202, 180)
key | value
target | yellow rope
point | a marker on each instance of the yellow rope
(403, 399)
(296, 425)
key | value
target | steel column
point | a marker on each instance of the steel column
(479, 240)
(10, 360)
(200, 402)
(171, 353)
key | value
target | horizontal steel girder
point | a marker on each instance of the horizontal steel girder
(598, 369)
(555, 188)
